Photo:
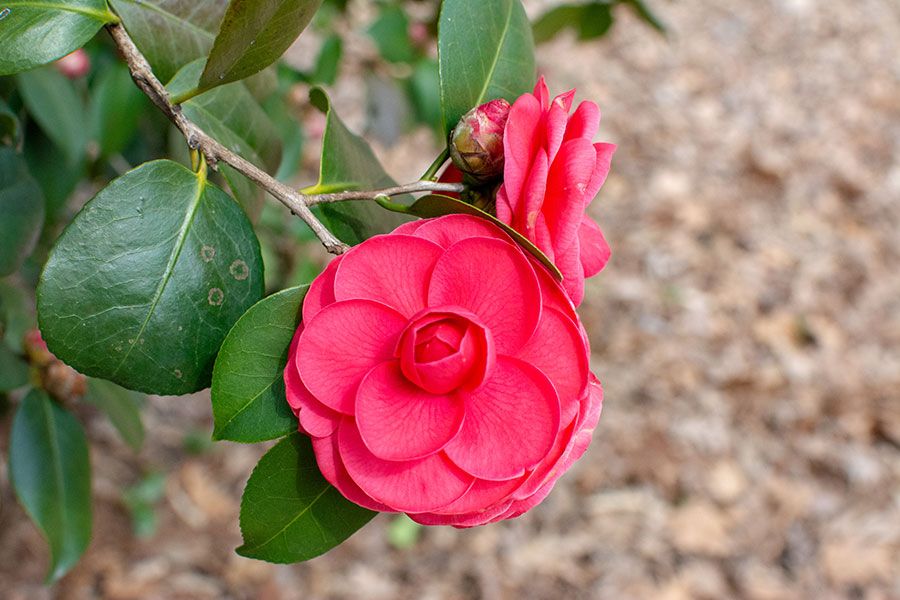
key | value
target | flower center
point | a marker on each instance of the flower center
(444, 349)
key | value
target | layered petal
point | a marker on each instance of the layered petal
(557, 349)
(493, 280)
(450, 229)
(321, 291)
(328, 458)
(400, 421)
(342, 343)
(413, 486)
(595, 251)
(511, 423)
(394, 270)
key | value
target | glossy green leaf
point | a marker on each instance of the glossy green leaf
(248, 385)
(437, 205)
(233, 116)
(116, 108)
(425, 90)
(289, 512)
(122, 407)
(253, 35)
(144, 284)
(36, 32)
(349, 163)
(51, 475)
(52, 101)
(13, 370)
(21, 211)
(485, 50)
(171, 33)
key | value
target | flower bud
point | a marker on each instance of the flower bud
(74, 65)
(476, 145)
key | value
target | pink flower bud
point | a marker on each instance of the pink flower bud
(476, 145)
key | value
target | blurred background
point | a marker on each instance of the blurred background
(746, 331)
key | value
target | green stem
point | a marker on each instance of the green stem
(385, 202)
(438, 162)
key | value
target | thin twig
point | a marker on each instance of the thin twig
(214, 151)
(409, 188)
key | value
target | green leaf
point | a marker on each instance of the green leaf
(254, 34)
(591, 20)
(485, 50)
(52, 101)
(425, 90)
(141, 500)
(595, 21)
(53, 172)
(233, 116)
(643, 11)
(349, 163)
(116, 108)
(289, 513)
(36, 32)
(146, 281)
(10, 130)
(13, 370)
(17, 312)
(391, 34)
(51, 475)
(438, 205)
(248, 385)
(171, 33)
(21, 211)
(122, 407)
(329, 61)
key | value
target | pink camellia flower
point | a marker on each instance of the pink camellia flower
(441, 372)
(551, 173)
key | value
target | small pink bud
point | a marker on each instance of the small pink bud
(476, 145)
(74, 65)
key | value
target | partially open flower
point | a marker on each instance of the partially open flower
(476, 145)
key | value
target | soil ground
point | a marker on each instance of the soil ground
(747, 332)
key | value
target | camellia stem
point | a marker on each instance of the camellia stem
(214, 152)
(431, 173)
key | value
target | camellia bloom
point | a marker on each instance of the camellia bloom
(552, 171)
(441, 372)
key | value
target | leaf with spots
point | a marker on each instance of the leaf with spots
(144, 284)
(248, 386)
(289, 512)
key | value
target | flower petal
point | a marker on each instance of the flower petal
(511, 423)
(604, 153)
(321, 291)
(391, 269)
(341, 344)
(400, 421)
(584, 122)
(472, 519)
(493, 280)
(447, 230)
(525, 219)
(409, 486)
(520, 143)
(595, 251)
(481, 496)
(329, 460)
(567, 182)
(569, 263)
(557, 349)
